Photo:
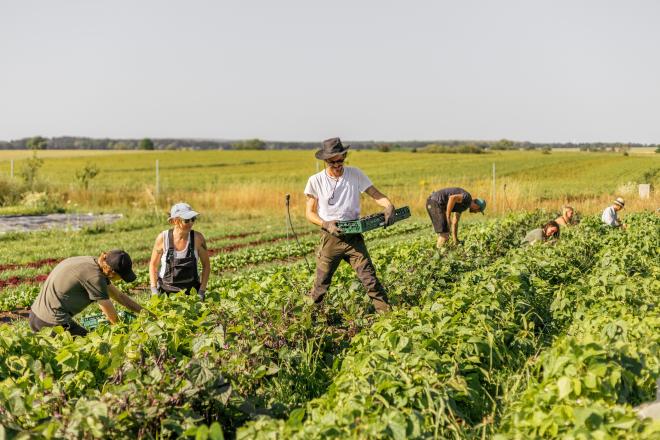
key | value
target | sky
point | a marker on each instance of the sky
(306, 70)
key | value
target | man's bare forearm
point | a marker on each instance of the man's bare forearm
(314, 218)
(123, 299)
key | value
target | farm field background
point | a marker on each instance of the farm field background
(487, 340)
(253, 183)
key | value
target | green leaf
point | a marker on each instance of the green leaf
(215, 432)
(564, 386)
(296, 417)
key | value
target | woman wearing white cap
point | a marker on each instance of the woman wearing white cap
(609, 216)
(177, 251)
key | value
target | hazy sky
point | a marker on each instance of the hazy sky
(306, 70)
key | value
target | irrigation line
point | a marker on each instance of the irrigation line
(288, 216)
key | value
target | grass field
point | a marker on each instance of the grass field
(253, 183)
(463, 354)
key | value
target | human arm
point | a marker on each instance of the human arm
(383, 201)
(451, 201)
(108, 310)
(454, 226)
(203, 253)
(312, 215)
(311, 211)
(122, 299)
(154, 262)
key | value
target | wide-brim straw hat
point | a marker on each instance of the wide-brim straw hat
(619, 201)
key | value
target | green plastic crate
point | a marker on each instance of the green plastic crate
(371, 222)
(93, 321)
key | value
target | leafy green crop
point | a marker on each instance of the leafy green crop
(487, 339)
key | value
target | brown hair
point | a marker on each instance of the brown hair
(550, 224)
(105, 267)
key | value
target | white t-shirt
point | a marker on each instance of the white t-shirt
(345, 205)
(609, 217)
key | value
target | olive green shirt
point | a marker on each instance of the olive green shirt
(533, 236)
(72, 285)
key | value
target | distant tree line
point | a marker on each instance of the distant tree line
(445, 146)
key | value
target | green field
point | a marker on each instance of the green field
(254, 182)
(488, 340)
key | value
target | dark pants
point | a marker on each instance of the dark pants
(438, 214)
(73, 327)
(352, 249)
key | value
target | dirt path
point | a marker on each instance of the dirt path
(28, 223)
(14, 315)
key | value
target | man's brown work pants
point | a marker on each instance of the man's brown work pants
(352, 249)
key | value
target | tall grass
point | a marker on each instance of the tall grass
(253, 183)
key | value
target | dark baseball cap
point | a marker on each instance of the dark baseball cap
(120, 262)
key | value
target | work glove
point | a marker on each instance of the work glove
(389, 216)
(154, 290)
(201, 294)
(331, 227)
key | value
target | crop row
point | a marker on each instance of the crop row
(609, 357)
(13, 274)
(162, 376)
(438, 370)
(22, 290)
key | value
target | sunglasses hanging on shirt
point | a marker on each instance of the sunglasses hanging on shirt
(331, 200)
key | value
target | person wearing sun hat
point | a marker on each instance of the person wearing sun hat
(77, 282)
(176, 252)
(334, 195)
(610, 217)
(442, 203)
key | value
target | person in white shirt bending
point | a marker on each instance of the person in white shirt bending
(610, 217)
(334, 195)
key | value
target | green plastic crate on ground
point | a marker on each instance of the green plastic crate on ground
(93, 321)
(371, 222)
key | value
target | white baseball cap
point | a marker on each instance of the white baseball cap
(182, 210)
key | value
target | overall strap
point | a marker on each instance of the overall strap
(191, 245)
(170, 246)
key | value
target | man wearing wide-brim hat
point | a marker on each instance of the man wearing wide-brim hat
(334, 195)
(610, 217)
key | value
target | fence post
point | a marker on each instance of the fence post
(11, 172)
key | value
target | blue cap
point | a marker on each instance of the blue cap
(482, 205)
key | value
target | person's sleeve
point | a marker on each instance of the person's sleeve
(310, 188)
(97, 288)
(363, 180)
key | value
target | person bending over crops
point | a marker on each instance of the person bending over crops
(334, 195)
(177, 252)
(567, 216)
(442, 203)
(549, 231)
(77, 282)
(610, 214)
